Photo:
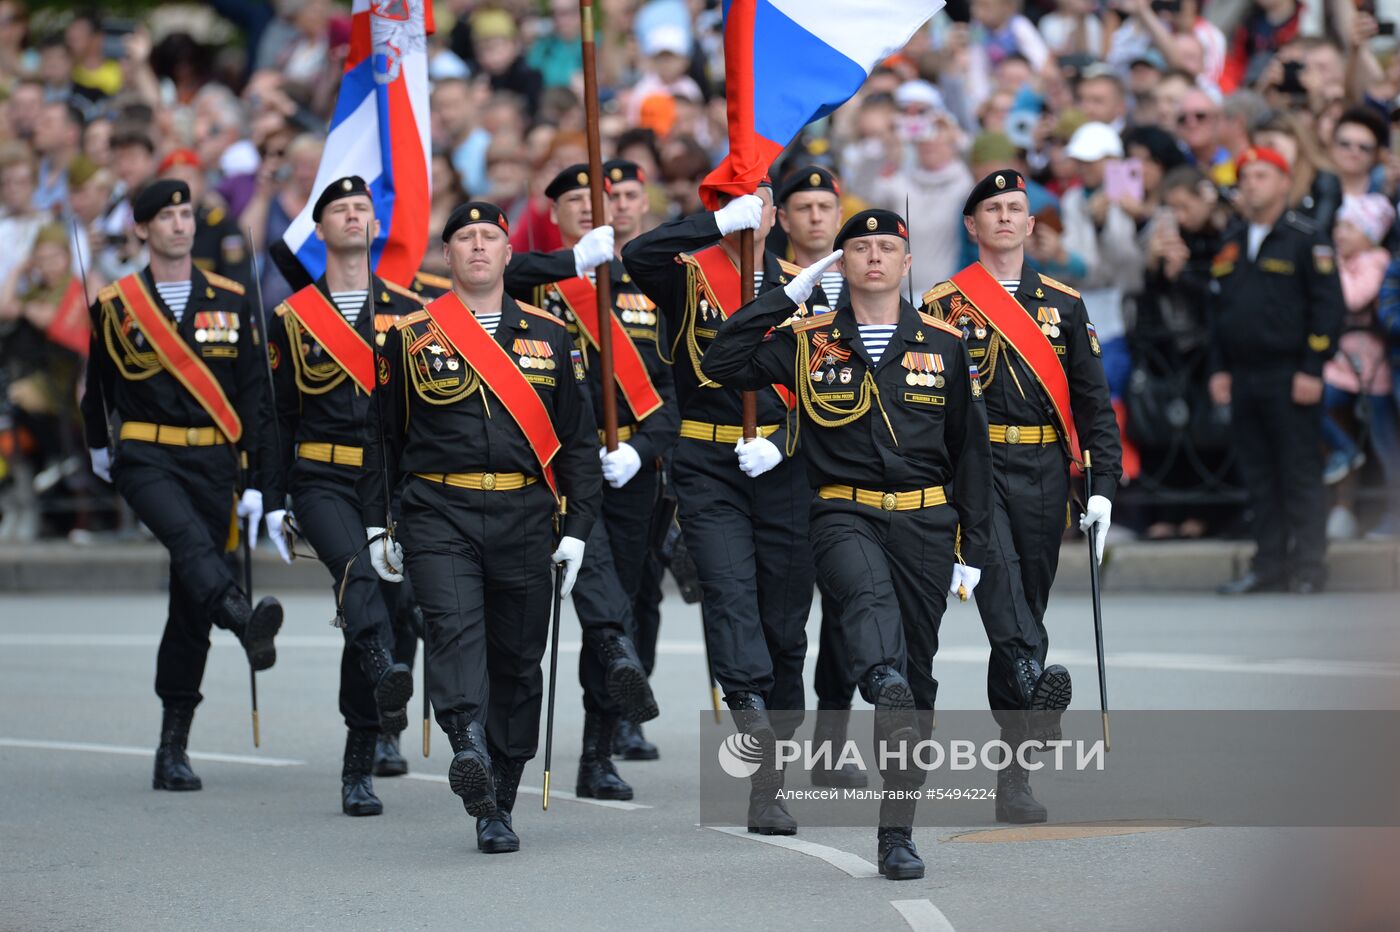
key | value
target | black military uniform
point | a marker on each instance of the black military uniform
(611, 673)
(1275, 314)
(888, 444)
(219, 246)
(477, 527)
(179, 471)
(1030, 507)
(321, 412)
(748, 537)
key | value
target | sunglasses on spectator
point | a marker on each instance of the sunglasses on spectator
(1194, 116)
(1353, 146)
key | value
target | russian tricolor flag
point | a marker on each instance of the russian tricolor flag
(789, 62)
(380, 131)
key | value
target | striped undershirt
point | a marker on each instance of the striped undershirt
(176, 296)
(831, 286)
(1010, 284)
(489, 322)
(876, 337)
(349, 303)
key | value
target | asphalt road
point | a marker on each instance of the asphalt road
(85, 842)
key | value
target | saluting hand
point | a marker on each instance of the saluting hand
(802, 285)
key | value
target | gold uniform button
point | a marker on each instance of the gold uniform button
(488, 481)
(888, 501)
(192, 436)
(1013, 434)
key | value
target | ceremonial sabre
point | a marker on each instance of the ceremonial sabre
(1098, 607)
(553, 671)
(749, 399)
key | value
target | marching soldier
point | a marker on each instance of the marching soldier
(176, 369)
(1038, 356)
(809, 211)
(480, 411)
(745, 523)
(893, 431)
(219, 246)
(611, 673)
(1277, 315)
(320, 351)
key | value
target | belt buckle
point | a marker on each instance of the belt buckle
(192, 436)
(888, 501)
(1013, 434)
(488, 481)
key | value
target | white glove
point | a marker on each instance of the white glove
(757, 456)
(570, 553)
(800, 288)
(966, 576)
(620, 465)
(1098, 514)
(386, 554)
(278, 534)
(250, 507)
(101, 463)
(593, 250)
(745, 212)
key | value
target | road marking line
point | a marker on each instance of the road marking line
(223, 639)
(129, 751)
(852, 864)
(922, 916)
(553, 793)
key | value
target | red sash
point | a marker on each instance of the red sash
(500, 373)
(1015, 325)
(71, 326)
(629, 370)
(720, 280)
(330, 328)
(178, 357)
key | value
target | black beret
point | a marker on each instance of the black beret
(474, 212)
(873, 223)
(619, 170)
(154, 197)
(570, 179)
(341, 187)
(998, 182)
(810, 178)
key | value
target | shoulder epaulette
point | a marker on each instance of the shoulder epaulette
(409, 320)
(1059, 286)
(401, 290)
(803, 324)
(789, 267)
(531, 309)
(940, 325)
(281, 309)
(110, 293)
(433, 281)
(941, 290)
(227, 284)
(1300, 221)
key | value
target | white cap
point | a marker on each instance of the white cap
(666, 38)
(1094, 141)
(918, 92)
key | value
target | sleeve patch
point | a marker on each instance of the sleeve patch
(1324, 259)
(1094, 346)
(1319, 342)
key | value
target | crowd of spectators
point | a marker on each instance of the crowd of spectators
(1128, 115)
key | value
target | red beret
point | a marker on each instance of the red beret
(1262, 154)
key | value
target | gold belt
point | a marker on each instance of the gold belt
(172, 436)
(1001, 433)
(886, 501)
(335, 453)
(623, 433)
(720, 433)
(481, 481)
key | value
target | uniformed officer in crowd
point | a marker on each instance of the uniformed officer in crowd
(320, 352)
(484, 419)
(611, 673)
(219, 246)
(894, 435)
(743, 504)
(809, 211)
(1037, 354)
(177, 396)
(1277, 312)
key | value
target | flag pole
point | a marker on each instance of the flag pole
(749, 399)
(595, 184)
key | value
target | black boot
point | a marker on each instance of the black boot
(1050, 695)
(767, 815)
(494, 833)
(470, 774)
(898, 857)
(393, 687)
(356, 787)
(255, 628)
(597, 777)
(627, 678)
(172, 763)
(388, 762)
(630, 744)
(1014, 800)
(889, 692)
(831, 729)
